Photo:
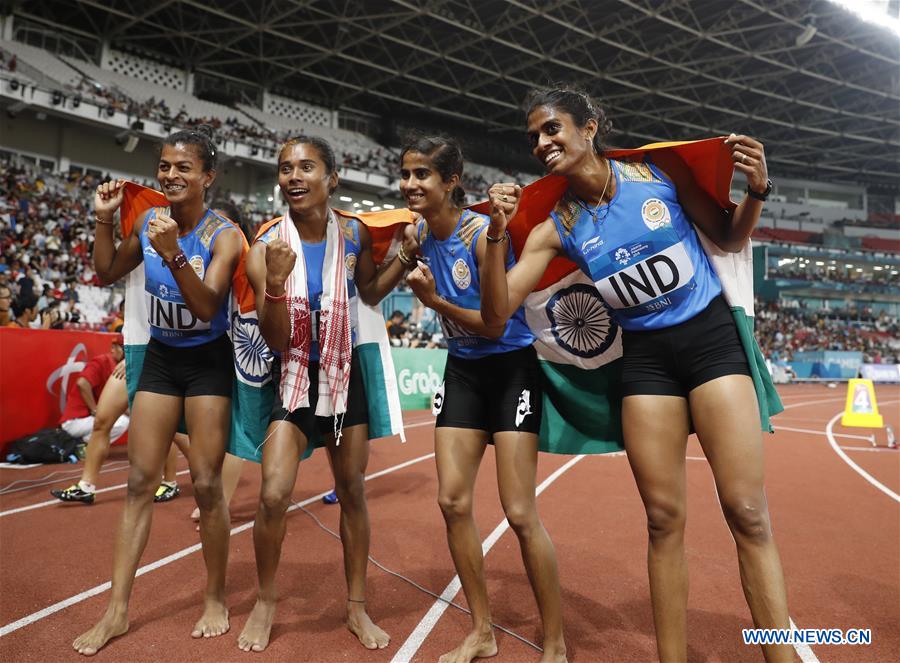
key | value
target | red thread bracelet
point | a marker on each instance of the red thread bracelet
(270, 298)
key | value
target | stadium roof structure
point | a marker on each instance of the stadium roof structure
(819, 86)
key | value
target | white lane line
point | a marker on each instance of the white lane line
(867, 438)
(64, 475)
(860, 471)
(875, 449)
(803, 650)
(429, 621)
(817, 402)
(40, 505)
(99, 589)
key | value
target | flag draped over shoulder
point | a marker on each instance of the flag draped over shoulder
(580, 347)
(253, 392)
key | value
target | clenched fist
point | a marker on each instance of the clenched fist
(504, 205)
(108, 199)
(421, 282)
(162, 231)
(280, 259)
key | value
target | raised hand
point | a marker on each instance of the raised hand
(280, 259)
(162, 231)
(410, 240)
(421, 280)
(504, 205)
(108, 199)
(749, 157)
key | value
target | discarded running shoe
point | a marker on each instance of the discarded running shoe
(74, 493)
(166, 492)
(331, 498)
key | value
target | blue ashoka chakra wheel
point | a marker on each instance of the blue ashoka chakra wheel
(252, 356)
(580, 322)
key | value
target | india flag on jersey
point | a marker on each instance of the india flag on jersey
(253, 392)
(580, 347)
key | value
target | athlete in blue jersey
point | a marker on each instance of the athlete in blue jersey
(491, 393)
(307, 177)
(189, 256)
(630, 227)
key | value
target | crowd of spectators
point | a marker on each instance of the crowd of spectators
(785, 328)
(868, 280)
(45, 244)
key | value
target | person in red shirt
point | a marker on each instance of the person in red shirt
(81, 402)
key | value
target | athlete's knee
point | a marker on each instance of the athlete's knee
(455, 506)
(350, 489)
(748, 518)
(274, 501)
(207, 489)
(103, 423)
(665, 518)
(522, 517)
(141, 484)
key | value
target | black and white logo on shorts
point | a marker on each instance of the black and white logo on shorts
(523, 409)
(437, 403)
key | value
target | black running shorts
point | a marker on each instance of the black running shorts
(675, 360)
(497, 393)
(201, 370)
(305, 418)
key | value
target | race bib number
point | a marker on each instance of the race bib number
(642, 282)
(172, 316)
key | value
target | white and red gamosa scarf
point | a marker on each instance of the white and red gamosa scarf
(335, 341)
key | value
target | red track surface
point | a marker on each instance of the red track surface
(839, 538)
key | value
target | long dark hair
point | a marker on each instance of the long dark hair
(576, 103)
(202, 138)
(446, 157)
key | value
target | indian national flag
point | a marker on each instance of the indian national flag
(254, 391)
(579, 345)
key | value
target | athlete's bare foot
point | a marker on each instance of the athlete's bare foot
(255, 636)
(110, 626)
(554, 654)
(478, 644)
(361, 625)
(213, 622)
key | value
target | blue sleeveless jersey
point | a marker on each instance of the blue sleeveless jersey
(455, 268)
(171, 321)
(314, 255)
(641, 251)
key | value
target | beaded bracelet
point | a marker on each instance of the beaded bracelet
(272, 298)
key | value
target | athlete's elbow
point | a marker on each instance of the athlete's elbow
(369, 297)
(494, 331)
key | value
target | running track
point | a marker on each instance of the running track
(838, 533)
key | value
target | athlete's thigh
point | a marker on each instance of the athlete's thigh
(208, 420)
(656, 429)
(458, 453)
(154, 420)
(113, 401)
(517, 455)
(726, 418)
(350, 458)
(284, 446)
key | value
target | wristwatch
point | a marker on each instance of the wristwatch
(760, 196)
(178, 261)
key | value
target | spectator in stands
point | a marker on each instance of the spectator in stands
(5, 305)
(25, 311)
(397, 329)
